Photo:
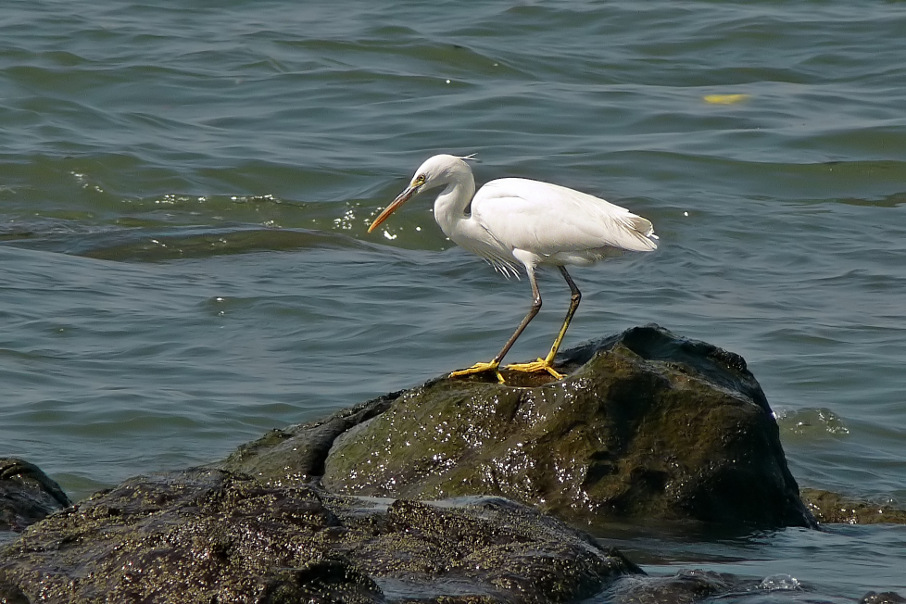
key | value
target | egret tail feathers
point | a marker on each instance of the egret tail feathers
(642, 232)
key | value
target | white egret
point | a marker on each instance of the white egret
(513, 221)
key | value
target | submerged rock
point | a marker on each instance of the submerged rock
(26, 494)
(686, 586)
(212, 536)
(835, 508)
(647, 425)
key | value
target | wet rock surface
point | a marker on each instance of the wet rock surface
(647, 425)
(300, 451)
(212, 536)
(26, 494)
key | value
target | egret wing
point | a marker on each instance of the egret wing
(548, 219)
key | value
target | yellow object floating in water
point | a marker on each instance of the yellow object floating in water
(725, 99)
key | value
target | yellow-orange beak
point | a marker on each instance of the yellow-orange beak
(394, 205)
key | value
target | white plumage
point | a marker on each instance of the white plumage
(517, 223)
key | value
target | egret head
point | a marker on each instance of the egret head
(436, 171)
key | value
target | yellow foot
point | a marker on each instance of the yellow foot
(536, 367)
(479, 368)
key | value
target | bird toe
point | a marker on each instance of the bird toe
(479, 368)
(537, 366)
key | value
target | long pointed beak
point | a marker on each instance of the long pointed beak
(394, 205)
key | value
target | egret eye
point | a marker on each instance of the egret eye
(419, 180)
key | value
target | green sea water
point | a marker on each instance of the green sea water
(185, 192)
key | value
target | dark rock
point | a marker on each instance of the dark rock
(887, 597)
(211, 536)
(647, 425)
(830, 507)
(684, 587)
(10, 594)
(26, 494)
(300, 451)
